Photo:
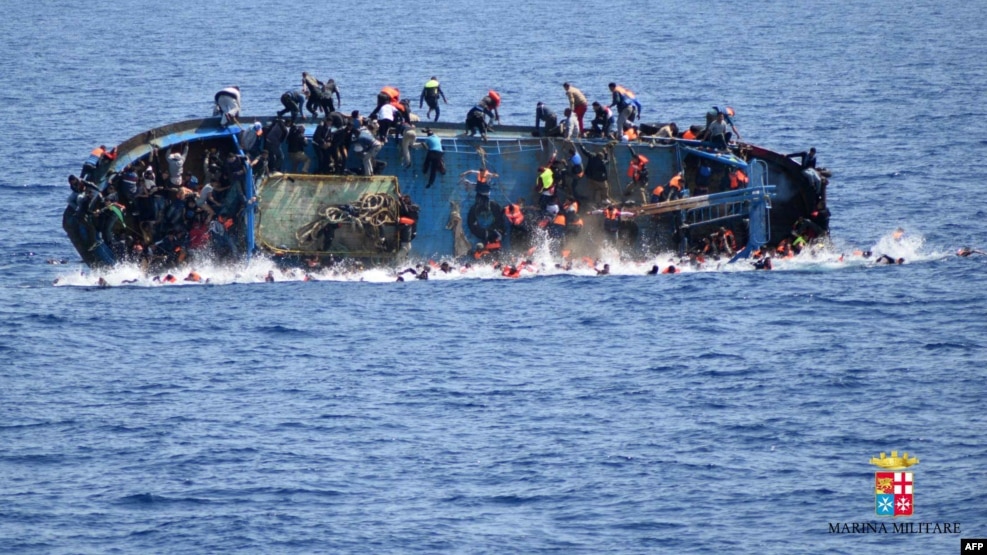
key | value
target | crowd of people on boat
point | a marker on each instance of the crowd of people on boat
(346, 133)
(156, 210)
(156, 218)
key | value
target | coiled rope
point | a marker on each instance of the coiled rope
(369, 214)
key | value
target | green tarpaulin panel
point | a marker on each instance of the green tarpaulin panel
(289, 205)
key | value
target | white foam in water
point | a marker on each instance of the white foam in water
(896, 244)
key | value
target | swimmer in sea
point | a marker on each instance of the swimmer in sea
(885, 259)
(967, 251)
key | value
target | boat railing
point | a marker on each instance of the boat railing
(490, 147)
(760, 229)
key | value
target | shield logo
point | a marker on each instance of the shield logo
(894, 493)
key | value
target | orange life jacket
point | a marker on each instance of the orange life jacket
(559, 219)
(676, 182)
(514, 214)
(572, 214)
(635, 167)
(621, 90)
(689, 135)
(729, 240)
(391, 93)
(631, 134)
(487, 249)
(658, 191)
(738, 179)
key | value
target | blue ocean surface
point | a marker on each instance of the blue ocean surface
(564, 412)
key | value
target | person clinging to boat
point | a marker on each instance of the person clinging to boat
(228, 105)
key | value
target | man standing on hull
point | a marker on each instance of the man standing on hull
(431, 93)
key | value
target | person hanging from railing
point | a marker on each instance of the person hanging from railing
(738, 179)
(670, 191)
(408, 213)
(596, 174)
(483, 184)
(545, 186)
(725, 241)
(612, 217)
(637, 170)
(573, 222)
(434, 158)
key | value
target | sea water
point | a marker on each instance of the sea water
(560, 412)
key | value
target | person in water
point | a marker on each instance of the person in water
(885, 259)
(967, 251)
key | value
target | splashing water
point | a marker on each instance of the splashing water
(541, 262)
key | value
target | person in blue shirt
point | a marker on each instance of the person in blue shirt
(434, 158)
